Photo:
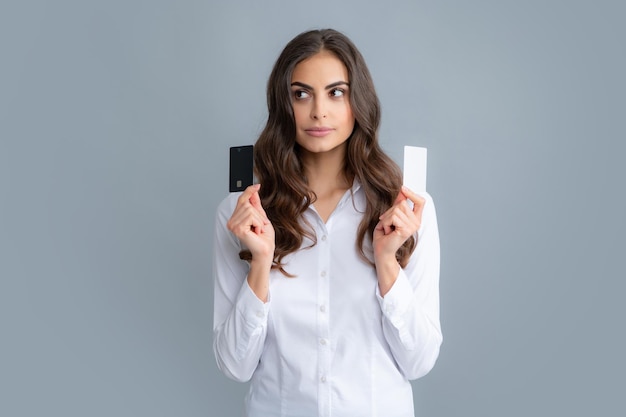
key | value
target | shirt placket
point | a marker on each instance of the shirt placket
(323, 325)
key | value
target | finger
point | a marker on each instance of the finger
(255, 201)
(246, 218)
(402, 222)
(384, 225)
(247, 193)
(256, 221)
(402, 208)
(417, 200)
(399, 222)
(398, 216)
(250, 198)
(389, 223)
(400, 198)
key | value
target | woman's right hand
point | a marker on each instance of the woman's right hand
(251, 225)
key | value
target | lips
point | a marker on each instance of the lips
(318, 131)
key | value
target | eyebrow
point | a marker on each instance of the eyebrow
(328, 87)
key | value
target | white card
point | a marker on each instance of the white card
(415, 168)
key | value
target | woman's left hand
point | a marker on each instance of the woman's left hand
(397, 224)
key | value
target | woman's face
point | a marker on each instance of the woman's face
(320, 95)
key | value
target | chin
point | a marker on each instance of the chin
(319, 148)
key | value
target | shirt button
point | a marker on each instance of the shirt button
(323, 273)
(324, 238)
(259, 314)
(323, 309)
(323, 341)
(323, 379)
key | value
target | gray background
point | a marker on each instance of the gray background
(115, 122)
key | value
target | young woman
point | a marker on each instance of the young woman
(327, 271)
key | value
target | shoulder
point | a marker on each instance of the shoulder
(227, 206)
(429, 199)
(428, 217)
(429, 212)
(229, 201)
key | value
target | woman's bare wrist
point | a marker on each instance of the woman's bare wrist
(387, 270)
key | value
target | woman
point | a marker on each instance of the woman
(326, 277)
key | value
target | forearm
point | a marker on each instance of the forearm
(239, 314)
(259, 277)
(411, 328)
(425, 340)
(387, 269)
(410, 307)
(239, 340)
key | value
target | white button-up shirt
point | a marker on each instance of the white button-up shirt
(326, 343)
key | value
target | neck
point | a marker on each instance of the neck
(325, 171)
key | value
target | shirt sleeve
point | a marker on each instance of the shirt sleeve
(239, 316)
(410, 308)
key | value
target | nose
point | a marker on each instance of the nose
(318, 110)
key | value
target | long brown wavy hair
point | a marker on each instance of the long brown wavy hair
(285, 193)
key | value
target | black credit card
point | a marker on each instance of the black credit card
(241, 172)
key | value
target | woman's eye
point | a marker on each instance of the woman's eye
(300, 94)
(337, 92)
